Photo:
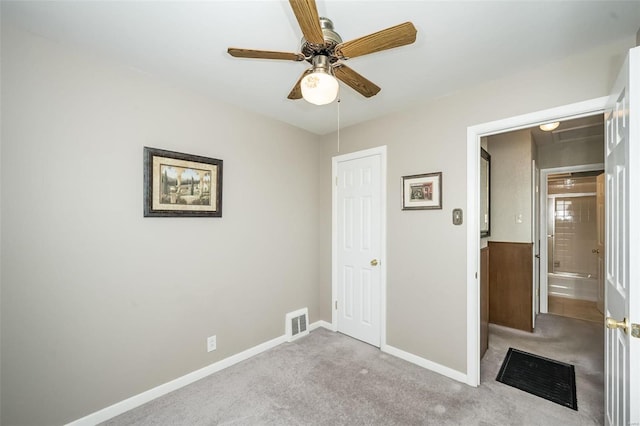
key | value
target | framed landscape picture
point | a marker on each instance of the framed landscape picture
(422, 192)
(181, 185)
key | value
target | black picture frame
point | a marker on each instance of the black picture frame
(422, 192)
(181, 185)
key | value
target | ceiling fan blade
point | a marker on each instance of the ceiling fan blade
(264, 54)
(296, 92)
(354, 80)
(307, 15)
(397, 36)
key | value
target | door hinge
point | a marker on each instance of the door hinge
(476, 275)
(336, 305)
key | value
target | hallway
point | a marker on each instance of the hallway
(568, 340)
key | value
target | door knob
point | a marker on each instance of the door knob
(595, 251)
(374, 262)
(613, 324)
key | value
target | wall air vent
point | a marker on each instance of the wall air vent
(296, 324)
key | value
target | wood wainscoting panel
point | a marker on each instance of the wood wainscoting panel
(510, 284)
(484, 300)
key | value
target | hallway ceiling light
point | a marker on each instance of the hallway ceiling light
(547, 127)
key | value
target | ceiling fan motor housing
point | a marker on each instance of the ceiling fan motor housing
(321, 64)
(331, 39)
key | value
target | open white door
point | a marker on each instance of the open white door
(358, 244)
(622, 244)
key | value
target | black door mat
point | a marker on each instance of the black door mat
(543, 377)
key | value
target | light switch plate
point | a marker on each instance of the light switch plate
(457, 216)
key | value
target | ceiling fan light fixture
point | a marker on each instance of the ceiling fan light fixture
(547, 127)
(320, 87)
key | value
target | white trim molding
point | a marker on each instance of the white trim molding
(425, 363)
(147, 396)
(321, 324)
(474, 133)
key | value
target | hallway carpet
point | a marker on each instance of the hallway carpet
(329, 379)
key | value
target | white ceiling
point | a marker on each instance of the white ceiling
(459, 44)
(584, 129)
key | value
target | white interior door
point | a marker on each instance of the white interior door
(359, 247)
(622, 273)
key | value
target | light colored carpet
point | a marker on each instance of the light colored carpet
(329, 379)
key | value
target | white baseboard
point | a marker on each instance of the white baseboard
(409, 357)
(144, 397)
(425, 363)
(323, 324)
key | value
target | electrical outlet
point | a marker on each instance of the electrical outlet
(211, 343)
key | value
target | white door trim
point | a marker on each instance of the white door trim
(474, 133)
(535, 238)
(544, 252)
(382, 152)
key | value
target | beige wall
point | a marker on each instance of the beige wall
(99, 303)
(511, 155)
(571, 154)
(426, 308)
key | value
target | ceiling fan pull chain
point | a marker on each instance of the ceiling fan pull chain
(338, 125)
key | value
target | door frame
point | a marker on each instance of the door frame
(535, 237)
(380, 151)
(474, 133)
(544, 220)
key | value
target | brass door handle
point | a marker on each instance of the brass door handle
(374, 262)
(613, 324)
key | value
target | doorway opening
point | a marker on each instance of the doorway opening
(553, 216)
(572, 275)
(543, 190)
(474, 135)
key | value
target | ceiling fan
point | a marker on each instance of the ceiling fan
(324, 49)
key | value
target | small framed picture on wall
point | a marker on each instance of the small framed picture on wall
(422, 192)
